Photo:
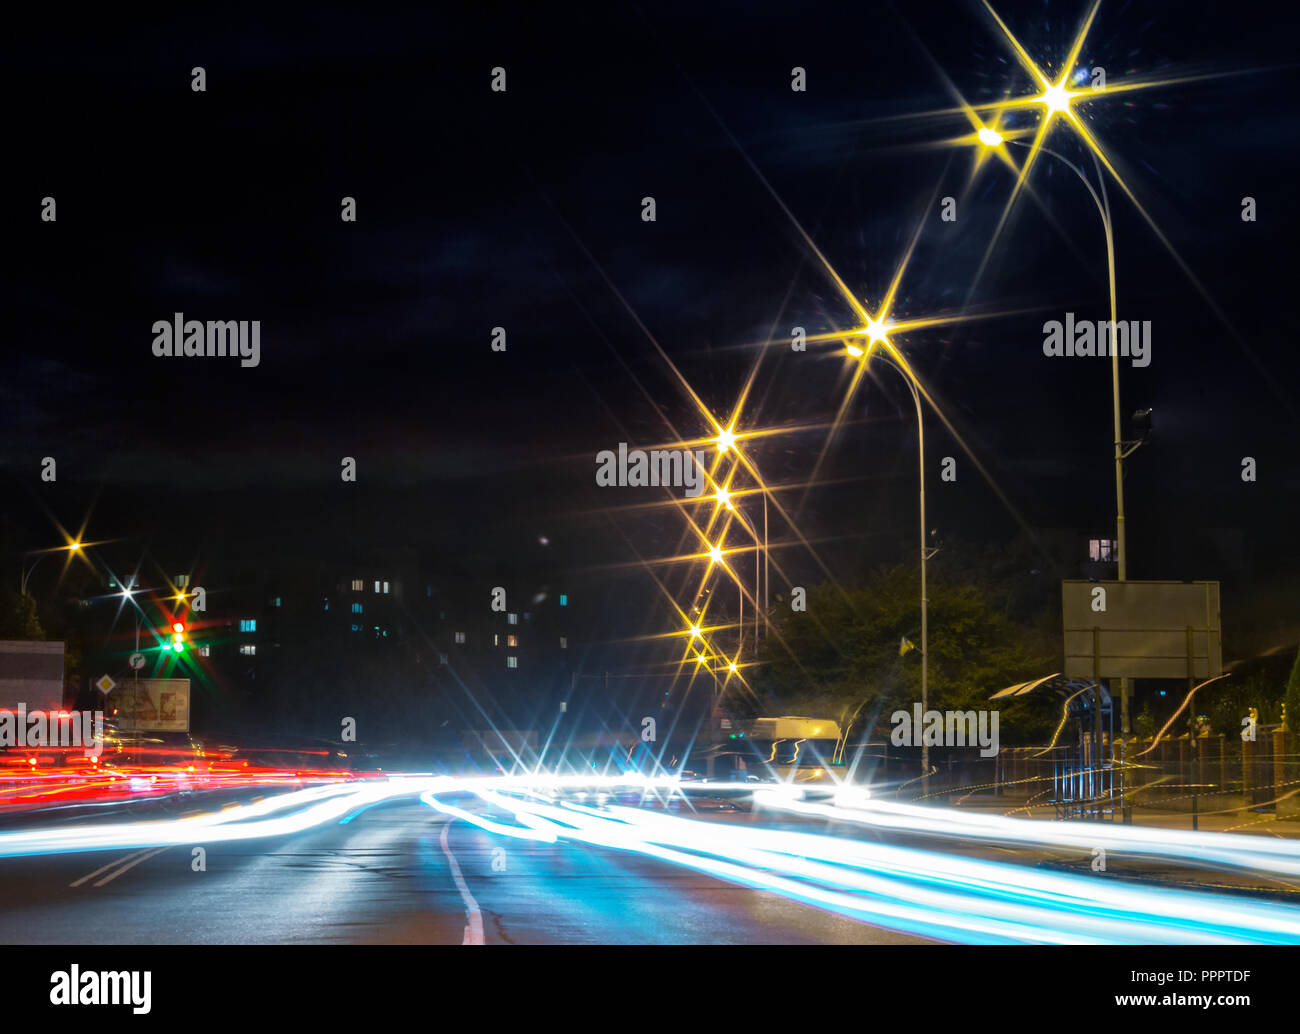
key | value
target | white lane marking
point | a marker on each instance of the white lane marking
(473, 932)
(131, 865)
(103, 868)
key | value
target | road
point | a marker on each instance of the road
(389, 875)
(596, 860)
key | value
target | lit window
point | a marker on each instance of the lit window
(442, 658)
(460, 638)
(358, 585)
(182, 581)
(248, 624)
(356, 628)
(1104, 550)
(496, 639)
(357, 608)
(248, 649)
(275, 601)
(512, 619)
(564, 600)
(564, 642)
(512, 662)
(205, 651)
(327, 603)
(512, 640)
(385, 588)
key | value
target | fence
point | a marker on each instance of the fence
(1217, 775)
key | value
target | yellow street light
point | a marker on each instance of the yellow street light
(876, 331)
(1056, 98)
(989, 137)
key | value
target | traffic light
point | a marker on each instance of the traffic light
(178, 636)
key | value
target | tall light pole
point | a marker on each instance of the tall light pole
(758, 562)
(1120, 454)
(925, 556)
(41, 554)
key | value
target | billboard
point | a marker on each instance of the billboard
(31, 673)
(1144, 630)
(153, 705)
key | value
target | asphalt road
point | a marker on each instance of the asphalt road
(396, 873)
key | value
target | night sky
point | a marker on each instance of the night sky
(522, 210)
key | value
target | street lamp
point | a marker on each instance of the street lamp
(926, 553)
(1057, 100)
(41, 554)
(760, 572)
(1121, 537)
(878, 331)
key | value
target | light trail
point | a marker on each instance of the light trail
(1226, 850)
(931, 893)
(924, 892)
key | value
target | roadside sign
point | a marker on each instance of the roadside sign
(136, 661)
(104, 684)
(1150, 629)
(155, 705)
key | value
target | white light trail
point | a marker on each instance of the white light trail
(932, 893)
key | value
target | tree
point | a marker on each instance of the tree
(1259, 684)
(19, 618)
(1292, 698)
(844, 651)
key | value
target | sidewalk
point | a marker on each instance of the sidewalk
(1186, 876)
(1212, 817)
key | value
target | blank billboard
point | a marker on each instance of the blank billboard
(1140, 629)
